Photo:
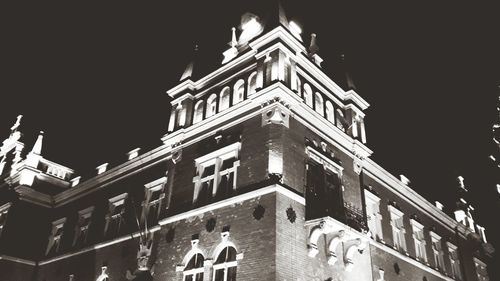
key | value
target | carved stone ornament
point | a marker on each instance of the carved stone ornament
(275, 115)
(176, 155)
(358, 165)
(143, 272)
(336, 233)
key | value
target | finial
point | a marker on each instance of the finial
(188, 72)
(234, 42)
(313, 47)
(14, 128)
(37, 148)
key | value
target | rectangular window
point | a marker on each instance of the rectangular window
(419, 239)
(4, 211)
(216, 174)
(454, 261)
(323, 186)
(374, 218)
(481, 272)
(437, 250)
(154, 194)
(398, 229)
(55, 236)
(82, 226)
(116, 215)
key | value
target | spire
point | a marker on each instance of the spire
(233, 38)
(313, 46)
(37, 148)
(14, 128)
(276, 16)
(348, 79)
(232, 52)
(188, 73)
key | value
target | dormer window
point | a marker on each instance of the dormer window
(55, 236)
(398, 229)
(82, 226)
(154, 194)
(4, 211)
(216, 173)
(116, 215)
(419, 239)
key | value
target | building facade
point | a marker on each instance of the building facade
(264, 174)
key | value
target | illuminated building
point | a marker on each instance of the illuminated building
(264, 174)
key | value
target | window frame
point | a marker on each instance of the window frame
(225, 265)
(456, 272)
(216, 158)
(54, 238)
(4, 212)
(374, 202)
(438, 253)
(83, 229)
(149, 189)
(419, 240)
(115, 201)
(398, 232)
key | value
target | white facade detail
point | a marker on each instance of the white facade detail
(398, 229)
(374, 217)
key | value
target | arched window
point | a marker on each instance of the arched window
(211, 105)
(224, 99)
(318, 103)
(225, 265)
(198, 112)
(298, 84)
(341, 121)
(330, 112)
(194, 268)
(308, 95)
(252, 84)
(238, 91)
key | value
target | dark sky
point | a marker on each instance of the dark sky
(94, 77)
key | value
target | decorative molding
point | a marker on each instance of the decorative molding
(17, 260)
(410, 260)
(233, 200)
(98, 246)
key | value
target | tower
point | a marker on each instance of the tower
(264, 174)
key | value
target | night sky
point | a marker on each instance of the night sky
(94, 77)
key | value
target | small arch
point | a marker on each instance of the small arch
(211, 105)
(329, 114)
(298, 85)
(252, 83)
(238, 91)
(194, 269)
(225, 265)
(198, 112)
(308, 95)
(318, 103)
(224, 99)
